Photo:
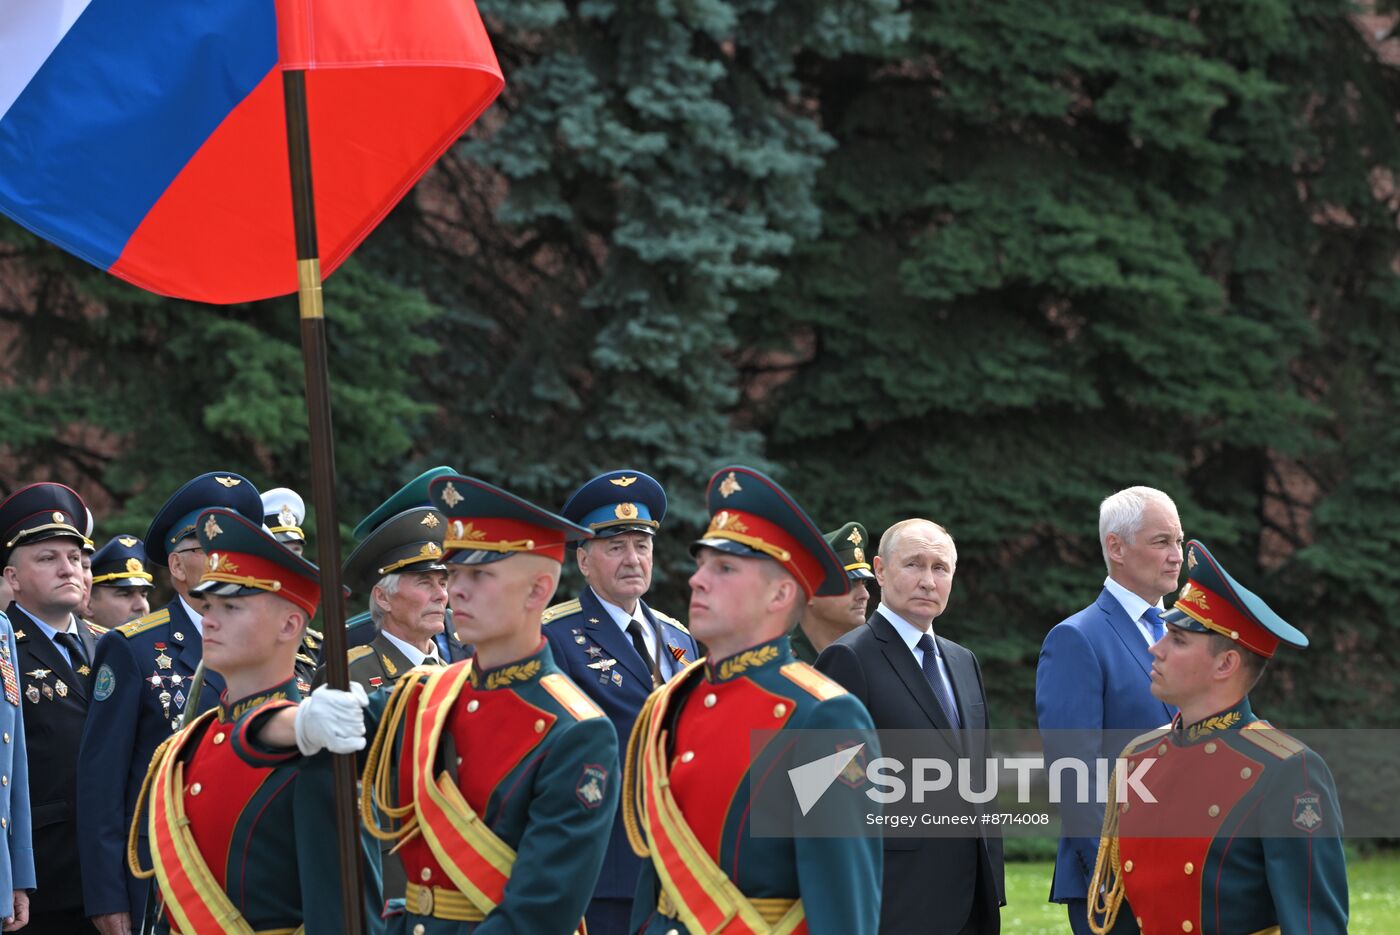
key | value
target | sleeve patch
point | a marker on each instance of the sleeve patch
(811, 681)
(570, 696)
(1307, 811)
(592, 786)
(104, 684)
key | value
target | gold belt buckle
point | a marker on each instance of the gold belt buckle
(424, 905)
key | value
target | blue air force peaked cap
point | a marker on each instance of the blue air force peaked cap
(122, 563)
(40, 511)
(751, 515)
(618, 502)
(1213, 602)
(176, 520)
(412, 494)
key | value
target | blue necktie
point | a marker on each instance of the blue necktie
(941, 689)
(1153, 616)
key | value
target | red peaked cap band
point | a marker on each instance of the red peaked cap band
(254, 571)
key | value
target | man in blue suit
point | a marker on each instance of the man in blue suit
(145, 674)
(1095, 666)
(613, 645)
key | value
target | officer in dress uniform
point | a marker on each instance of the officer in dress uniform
(41, 551)
(360, 628)
(827, 619)
(144, 673)
(515, 842)
(614, 646)
(686, 792)
(16, 851)
(1245, 835)
(121, 583)
(223, 806)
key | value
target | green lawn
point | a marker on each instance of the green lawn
(1375, 899)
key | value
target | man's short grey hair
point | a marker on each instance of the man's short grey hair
(891, 536)
(390, 584)
(1121, 514)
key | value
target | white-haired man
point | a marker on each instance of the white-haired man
(1095, 667)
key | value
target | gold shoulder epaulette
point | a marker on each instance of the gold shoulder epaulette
(570, 696)
(1137, 744)
(671, 620)
(561, 610)
(93, 628)
(811, 681)
(1271, 739)
(358, 652)
(313, 634)
(142, 624)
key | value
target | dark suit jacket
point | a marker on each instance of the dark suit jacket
(53, 726)
(931, 885)
(1094, 675)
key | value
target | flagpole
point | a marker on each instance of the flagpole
(318, 409)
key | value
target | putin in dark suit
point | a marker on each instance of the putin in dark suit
(911, 679)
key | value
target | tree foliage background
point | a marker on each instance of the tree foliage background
(981, 262)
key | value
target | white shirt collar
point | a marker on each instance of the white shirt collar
(412, 653)
(1133, 605)
(906, 630)
(620, 616)
(195, 618)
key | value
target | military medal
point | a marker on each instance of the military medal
(40, 674)
(594, 652)
(31, 692)
(156, 681)
(162, 660)
(7, 672)
(62, 688)
(179, 637)
(176, 678)
(617, 678)
(578, 636)
(84, 670)
(47, 689)
(179, 699)
(605, 673)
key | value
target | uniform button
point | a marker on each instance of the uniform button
(1213, 811)
(4, 780)
(1127, 866)
(218, 739)
(687, 756)
(779, 710)
(4, 822)
(1246, 773)
(1190, 868)
(7, 736)
(710, 700)
(196, 789)
(1162, 750)
(1210, 747)
(427, 874)
(419, 929)
(539, 726)
(673, 932)
(1187, 926)
(459, 761)
(1139, 921)
(1125, 808)
(473, 705)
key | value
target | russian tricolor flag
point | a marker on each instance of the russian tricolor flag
(147, 136)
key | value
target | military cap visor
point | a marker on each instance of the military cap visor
(405, 544)
(283, 513)
(412, 494)
(616, 502)
(487, 524)
(121, 563)
(850, 543)
(177, 519)
(1213, 602)
(38, 512)
(752, 515)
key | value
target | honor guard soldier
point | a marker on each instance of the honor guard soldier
(42, 557)
(360, 629)
(239, 830)
(827, 619)
(499, 774)
(121, 583)
(143, 676)
(615, 647)
(686, 792)
(1245, 835)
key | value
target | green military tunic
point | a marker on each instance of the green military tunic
(801, 645)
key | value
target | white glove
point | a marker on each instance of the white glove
(332, 720)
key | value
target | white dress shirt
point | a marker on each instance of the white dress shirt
(911, 634)
(195, 618)
(50, 632)
(413, 654)
(622, 619)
